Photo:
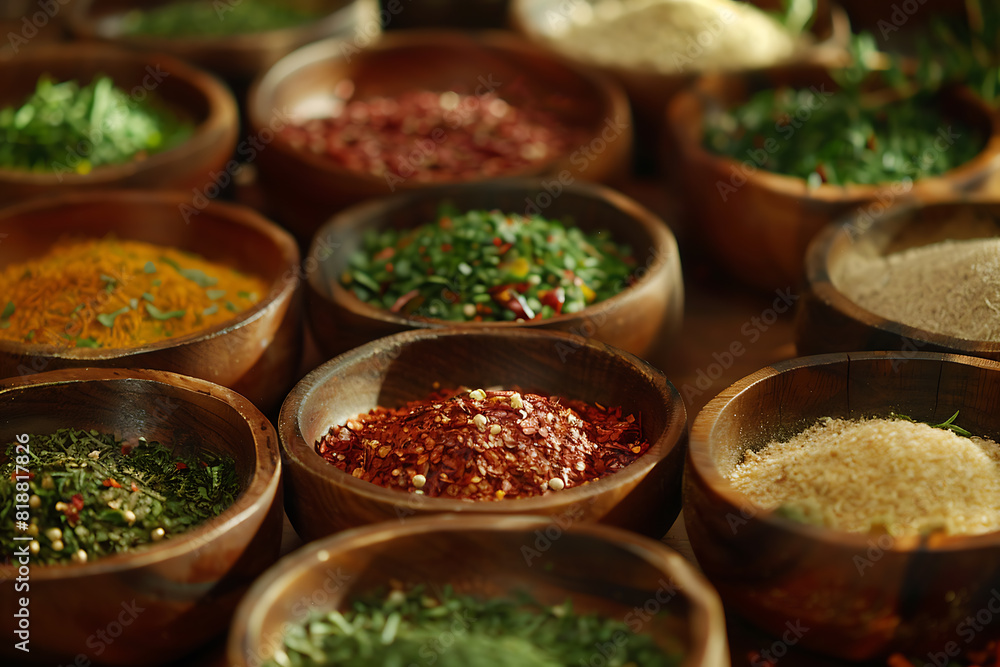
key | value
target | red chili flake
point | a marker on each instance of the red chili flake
(445, 247)
(127, 448)
(134, 487)
(484, 445)
(203, 464)
(180, 466)
(504, 248)
(112, 483)
(497, 241)
(77, 501)
(401, 302)
(384, 253)
(554, 298)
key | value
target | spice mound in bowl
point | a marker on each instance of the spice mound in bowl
(485, 445)
(139, 500)
(471, 591)
(500, 254)
(598, 437)
(857, 493)
(919, 276)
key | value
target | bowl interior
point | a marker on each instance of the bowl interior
(622, 579)
(647, 237)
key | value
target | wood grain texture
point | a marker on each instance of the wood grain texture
(256, 353)
(322, 499)
(307, 189)
(828, 321)
(600, 569)
(193, 164)
(642, 319)
(859, 597)
(760, 232)
(187, 586)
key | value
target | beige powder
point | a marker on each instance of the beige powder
(950, 288)
(857, 476)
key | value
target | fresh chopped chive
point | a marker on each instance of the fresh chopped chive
(108, 319)
(87, 342)
(149, 267)
(211, 310)
(8, 310)
(147, 296)
(214, 294)
(160, 315)
(230, 306)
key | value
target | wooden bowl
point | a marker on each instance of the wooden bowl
(307, 188)
(322, 499)
(641, 319)
(196, 163)
(256, 353)
(544, 22)
(601, 569)
(164, 600)
(860, 596)
(759, 223)
(27, 25)
(236, 58)
(827, 320)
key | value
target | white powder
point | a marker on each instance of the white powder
(906, 477)
(950, 288)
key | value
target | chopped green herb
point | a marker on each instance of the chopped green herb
(211, 310)
(108, 319)
(149, 267)
(214, 294)
(87, 342)
(8, 310)
(160, 315)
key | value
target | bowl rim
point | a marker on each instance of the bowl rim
(812, 53)
(706, 617)
(221, 120)
(817, 270)
(663, 249)
(697, 94)
(702, 467)
(608, 95)
(261, 490)
(302, 454)
(84, 24)
(280, 290)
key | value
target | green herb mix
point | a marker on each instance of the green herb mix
(92, 494)
(213, 19)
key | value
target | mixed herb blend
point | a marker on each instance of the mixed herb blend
(488, 265)
(66, 127)
(213, 19)
(404, 628)
(91, 494)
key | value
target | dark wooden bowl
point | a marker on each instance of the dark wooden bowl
(322, 499)
(828, 321)
(237, 58)
(601, 569)
(28, 25)
(860, 596)
(308, 188)
(196, 163)
(543, 21)
(760, 232)
(165, 600)
(641, 319)
(256, 353)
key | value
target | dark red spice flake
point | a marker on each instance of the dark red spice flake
(485, 445)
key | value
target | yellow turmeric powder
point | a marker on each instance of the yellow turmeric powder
(111, 293)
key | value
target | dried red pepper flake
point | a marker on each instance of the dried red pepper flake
(77, 501)
(484, 445)
(112, 483)
(180, 466)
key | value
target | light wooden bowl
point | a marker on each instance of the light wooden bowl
(860, 596)
(307, 188)
(828, 321)
(237, 58)
(256, 353)
(322, 499)
(167, 599)
(601, 569)
(196, 163)
(641, 319)
(760, 232)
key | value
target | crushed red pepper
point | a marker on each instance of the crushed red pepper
(485, 445)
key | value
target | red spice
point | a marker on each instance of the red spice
(432, 136)
(112, 483)
(485, 445)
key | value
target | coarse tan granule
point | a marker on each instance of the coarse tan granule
(950, 288)
(904, 477)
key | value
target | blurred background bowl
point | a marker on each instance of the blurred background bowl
(827, 320)
(546, 22)
(236, 58)
(305, 188)
(905, 594)
(182, 591)
(256, 353)
(190, 92)
(760, 232)
(322, 499)
(641, 319)
(600, 569)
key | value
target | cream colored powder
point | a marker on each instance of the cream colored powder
(674, 36)
(857, 476)
(950, 288)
